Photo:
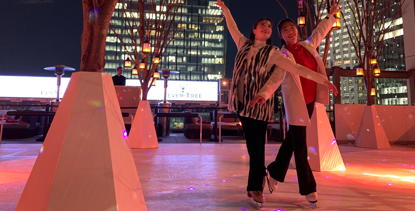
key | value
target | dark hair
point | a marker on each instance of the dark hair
(280, 25)
(252, 36)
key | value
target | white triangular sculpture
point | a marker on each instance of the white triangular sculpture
(142, 132)
(371, 133)
(323, 152)
(84, 163)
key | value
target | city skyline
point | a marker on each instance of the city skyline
(37, 34)
(342, 54)
(197, 51)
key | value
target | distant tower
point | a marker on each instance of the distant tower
(198, 51)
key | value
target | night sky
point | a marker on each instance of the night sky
(39, 33)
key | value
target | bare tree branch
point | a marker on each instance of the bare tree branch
(152, 21)
(370, 22)
(286, 14)
(327, 43)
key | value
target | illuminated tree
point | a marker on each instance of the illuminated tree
(150, 26)
(370, 22)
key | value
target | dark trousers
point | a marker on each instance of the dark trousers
(295, 142)
(255, 131)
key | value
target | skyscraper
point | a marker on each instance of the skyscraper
(197, 52)
(389, 91)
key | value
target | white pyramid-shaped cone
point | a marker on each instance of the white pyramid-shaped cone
(142, 132)
(323, 152)
(84, 163)
(371, 133)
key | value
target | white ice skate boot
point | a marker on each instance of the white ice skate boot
(256, 198)
(312, 198)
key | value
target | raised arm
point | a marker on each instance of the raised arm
(288, 65)
(231, 24)
(324, 26)
(281, 60)
(269, 87)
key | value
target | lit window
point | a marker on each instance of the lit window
(172, 59)
(163, 8)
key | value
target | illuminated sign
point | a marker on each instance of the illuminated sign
(45, 87)
(182, 90)
(31, 87)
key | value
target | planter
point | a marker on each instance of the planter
(142, 132)
(398, 122)
(323, 152)
(84, 163)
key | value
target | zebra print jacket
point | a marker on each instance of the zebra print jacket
(255, 77)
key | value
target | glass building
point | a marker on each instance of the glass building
(389, 91)
(197, 52)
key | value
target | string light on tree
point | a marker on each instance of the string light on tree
(373, 92)
(146, 47)
(337, 24)
(376, 71)
(301, 20)
(156, 60)
(142, 65)
(134, 71)
(156, 75)
(359, 70)
(127, 63)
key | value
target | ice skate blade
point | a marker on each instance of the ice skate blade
(312, 198)
(313, 205)
(257, 205)
(272, 185)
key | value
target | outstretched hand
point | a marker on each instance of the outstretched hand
(221, 5)
(334, 7)
(257, 99)
(331, 86)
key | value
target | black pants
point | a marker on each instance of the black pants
(295, 142)
(255, 131)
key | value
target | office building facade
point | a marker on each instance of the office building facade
(198, 50)
(389, 91)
